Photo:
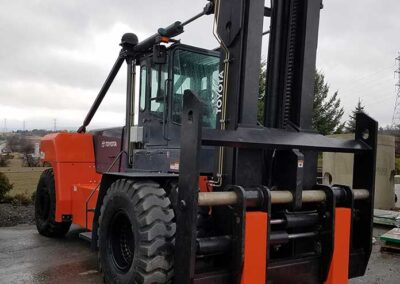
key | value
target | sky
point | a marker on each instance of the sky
(56, 54)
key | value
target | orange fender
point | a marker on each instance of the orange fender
(71, 156)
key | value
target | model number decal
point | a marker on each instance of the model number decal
(108, 144)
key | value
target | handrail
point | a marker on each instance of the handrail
(94, 190)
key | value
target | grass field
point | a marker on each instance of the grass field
(24, 179)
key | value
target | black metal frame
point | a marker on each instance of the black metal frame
(287, 143)
(186, 215)
(364, 169)
(361, 240)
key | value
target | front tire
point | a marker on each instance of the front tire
(136, 234)
(45, 208)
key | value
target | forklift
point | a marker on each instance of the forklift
(199, 190)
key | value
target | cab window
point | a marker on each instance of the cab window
(143, 81)
(197, 72)
(159, 75)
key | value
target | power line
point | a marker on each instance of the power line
(378, 100)
(367, 91)
(366, 77)
(396, 111)
(368, 84)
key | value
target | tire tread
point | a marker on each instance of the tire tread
(50, 228)
(154, 258)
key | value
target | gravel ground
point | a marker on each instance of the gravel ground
(12, 215)
(382, 267)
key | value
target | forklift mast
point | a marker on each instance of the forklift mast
(290, 73)
(278, 157)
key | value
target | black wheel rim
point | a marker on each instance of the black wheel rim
(121, 242)
(43, 199)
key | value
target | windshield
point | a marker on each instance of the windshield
(199, 73)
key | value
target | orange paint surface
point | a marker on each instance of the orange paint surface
(255, 249)
(68, 147)
(72, 157)
(203, 183)
(339, 269)
(80, 194)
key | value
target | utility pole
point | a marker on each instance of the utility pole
(396, 112)
(5, 125)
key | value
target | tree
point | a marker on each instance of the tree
(328, 112)
(27, 147)
(351, 124)
(4, 160)
(13, 142)
(5, 186)
(19, 143)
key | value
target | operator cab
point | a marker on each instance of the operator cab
(161, 87)
(154, 141)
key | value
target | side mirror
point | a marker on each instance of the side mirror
(159, 54)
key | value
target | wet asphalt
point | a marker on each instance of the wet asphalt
(27, 257)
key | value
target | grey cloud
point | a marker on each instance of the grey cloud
(32, 30)
(357, 38)
(357, 46)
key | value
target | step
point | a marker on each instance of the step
(86, 236)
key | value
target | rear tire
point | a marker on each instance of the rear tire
(136, 234)
(45, 208)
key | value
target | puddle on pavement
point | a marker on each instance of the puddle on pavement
(78, 272)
